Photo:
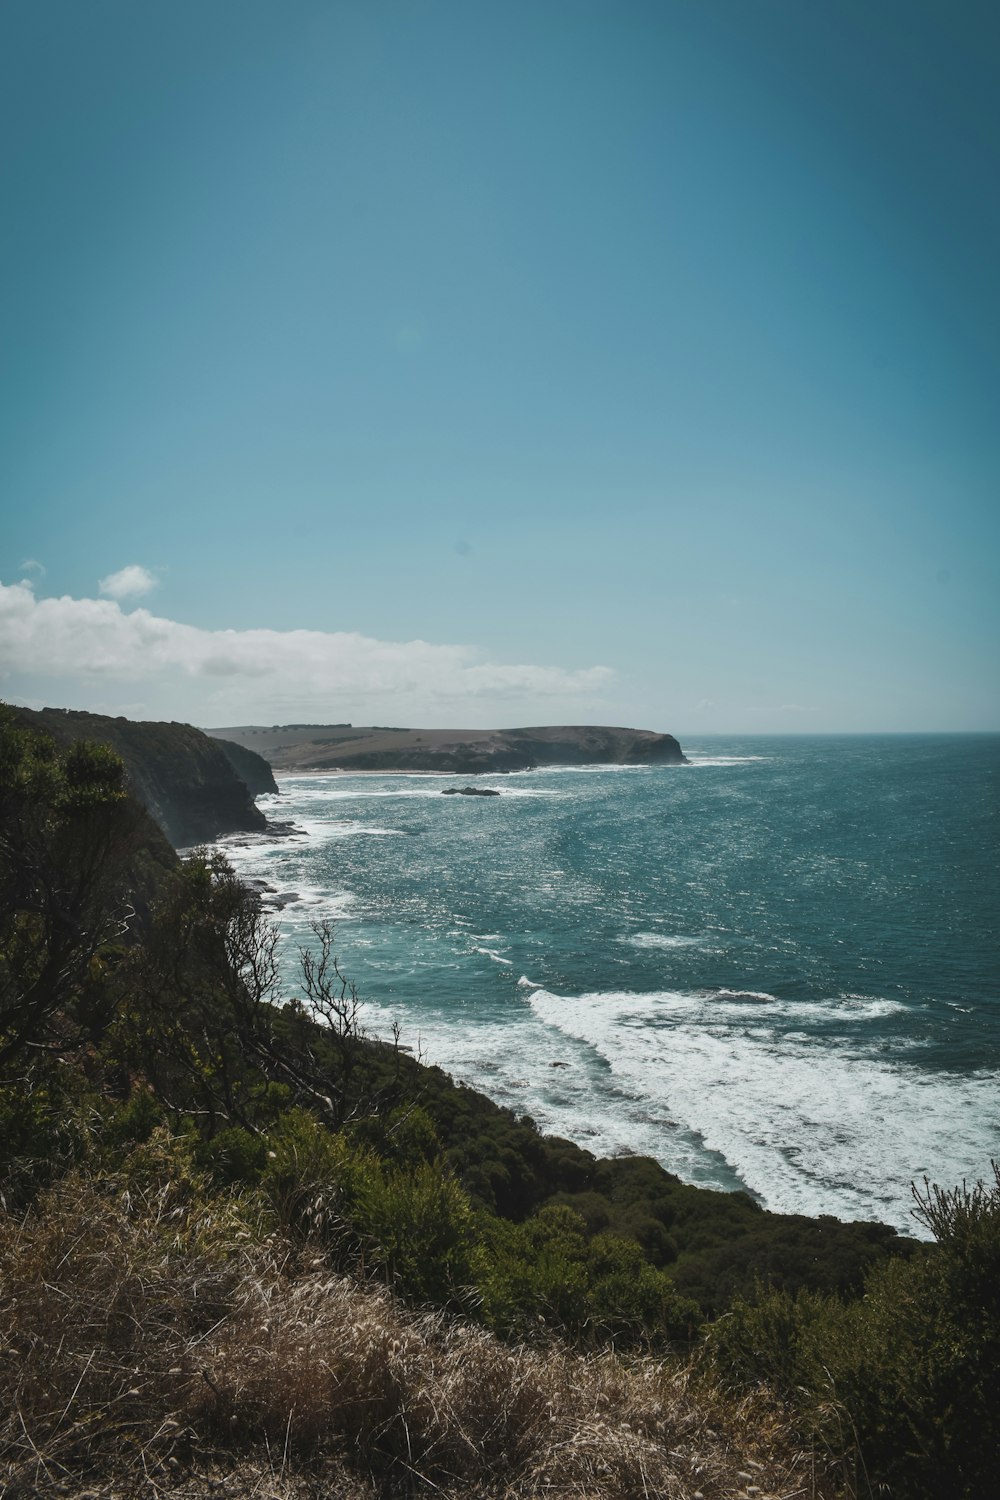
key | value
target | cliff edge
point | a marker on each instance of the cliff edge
(251, 768)
(185, 780)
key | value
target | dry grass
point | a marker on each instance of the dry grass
(104, 1289)
(323, 1363)
(151, 1344)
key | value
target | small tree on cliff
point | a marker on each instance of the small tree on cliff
(68, 832)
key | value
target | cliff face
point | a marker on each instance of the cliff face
(589, 745)
(182, 777)
(252, 769)
(319, 747)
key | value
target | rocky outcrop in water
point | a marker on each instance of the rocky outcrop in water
(183, 778)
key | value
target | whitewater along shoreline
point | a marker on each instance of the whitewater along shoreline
(648, 913)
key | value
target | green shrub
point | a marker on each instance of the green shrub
(629, 1299)
(405, 1136)
(41, 1134)
(547, 1274)
(908, 1376)
(313, 1179)
(133, 1121)
(234, 1156)
(418, 1222)
(411, 1224)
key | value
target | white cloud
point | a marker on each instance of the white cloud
(128, 583)
(91, 646)
(32, 565)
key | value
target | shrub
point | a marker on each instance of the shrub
(545, 1275)
(314, 1180)
(629, 1300)
(412, 1225)
(419, 1225)
(907, 1377)
(234, 1156)
(133, 1121)
(405, 1136)
(41, 1132)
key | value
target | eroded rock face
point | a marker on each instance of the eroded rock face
(251, 768)
(182, 777)
(597, 745)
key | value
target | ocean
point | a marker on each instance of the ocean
(773, 969)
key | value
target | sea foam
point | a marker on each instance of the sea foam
(809, 1128)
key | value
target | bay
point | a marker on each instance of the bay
(773, 969)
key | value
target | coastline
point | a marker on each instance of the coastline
(346, 747)
(621, 980)
(610, 765)
(383, 771)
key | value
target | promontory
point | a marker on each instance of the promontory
(196, 788)
(345, 747)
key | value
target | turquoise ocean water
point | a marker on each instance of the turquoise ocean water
(775, 969)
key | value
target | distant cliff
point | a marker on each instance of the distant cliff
(318, 747)
(250, 767)
(185, 780)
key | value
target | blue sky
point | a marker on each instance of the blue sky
(493, 363)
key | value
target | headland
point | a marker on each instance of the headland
(346, 747)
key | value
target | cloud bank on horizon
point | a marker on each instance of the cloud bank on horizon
(91, 653)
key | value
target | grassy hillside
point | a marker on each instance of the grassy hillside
(242, 1245)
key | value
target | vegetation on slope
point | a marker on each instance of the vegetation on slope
(186, 781)
(157, 1332)
(229, 1221)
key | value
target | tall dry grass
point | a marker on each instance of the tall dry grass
(323, 1362)
(154, 1341)
(105, 1288)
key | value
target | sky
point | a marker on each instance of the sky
(477, 363)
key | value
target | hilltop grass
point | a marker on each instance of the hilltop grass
(159, 1337)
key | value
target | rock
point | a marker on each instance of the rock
(286, 898)
(251, 768)
(470, 791)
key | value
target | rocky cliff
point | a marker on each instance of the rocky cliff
(317, 747)
(184, 779)
(251, 768)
